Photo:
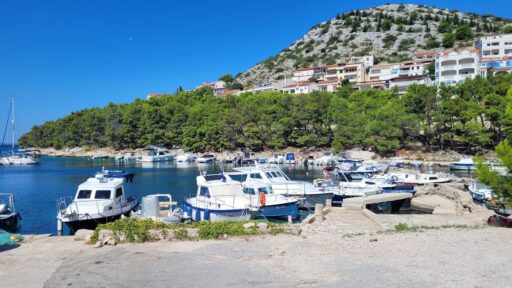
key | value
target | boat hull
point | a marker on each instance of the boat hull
(201, 214)
(280, 210)
(10, 222)
(91, 224)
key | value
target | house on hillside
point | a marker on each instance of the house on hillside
(403, 82)
(219, 87)
(495, 54)
(306, 73)
(454, 66)
(300, 87)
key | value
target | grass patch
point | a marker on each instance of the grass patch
(137, 230)
(403, 227)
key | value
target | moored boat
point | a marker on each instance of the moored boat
(186, 157)
(422, 178)
(216, 201)
(462, 164)
(480, 192)
(156, 154)
(282, 184)
(206, 158)
(98, 200)
(9, 217)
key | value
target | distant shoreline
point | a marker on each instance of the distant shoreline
(437, 157)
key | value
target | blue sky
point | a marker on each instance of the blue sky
(61, 56)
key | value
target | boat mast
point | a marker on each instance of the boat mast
(12, 123)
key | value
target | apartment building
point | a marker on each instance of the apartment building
(497, 46)
(454, 67)
(300, 87)
(306, 73)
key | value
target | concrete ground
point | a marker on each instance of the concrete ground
(330, 253)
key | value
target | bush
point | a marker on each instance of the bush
(448, 40)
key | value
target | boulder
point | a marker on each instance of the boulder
(262, 226)
(98, 244)
(104, 234)
(82, 234)
(249, 225)
(112, 242)
(193, 232)
(155, 234)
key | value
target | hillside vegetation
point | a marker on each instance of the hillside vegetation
(467, 117)
(389, 32)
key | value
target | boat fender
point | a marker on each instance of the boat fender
(263, 199)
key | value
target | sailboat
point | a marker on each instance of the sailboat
(16, 157)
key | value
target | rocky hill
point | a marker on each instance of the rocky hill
(390, 32)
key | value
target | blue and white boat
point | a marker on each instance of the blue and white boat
(480, 192)
(462, 164)
(219, 199)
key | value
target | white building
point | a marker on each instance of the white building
(367, 60)
(304, 74)
(403, 82)
(270, 86)
(497, 46)
(454, 67)
(384, 72)
(300, 87)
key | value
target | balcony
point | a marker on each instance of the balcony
(448, 63)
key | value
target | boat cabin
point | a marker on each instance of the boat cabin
(100, 188)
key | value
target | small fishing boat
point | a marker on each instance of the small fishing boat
(206, 158)
(421, 178)
(98, 200)
(480, 192)
(289, 158)
(216, 200)
(186, 157)
(282, 184)
(9, 217)
(98, 157)
(159, 207)
(156, 154)
(272, 205)
(326, 158)
(462, 164)
(276, 159)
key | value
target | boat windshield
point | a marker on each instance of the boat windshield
(266, 190)
(102, 194)
(84, 194)
(248, 190)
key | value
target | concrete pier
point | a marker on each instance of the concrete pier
(359, 203)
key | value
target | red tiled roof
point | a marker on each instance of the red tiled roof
(325, 82)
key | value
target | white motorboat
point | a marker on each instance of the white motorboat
(324, 159)
(98, 200)
(282, 184)
(462, 164)
(219, 200)
(480, 192)
(9, 217)
(206, 158)
(16, 157)
(421, 178)
(262, 194)
(156, 154)
(396, 161)
(276, 159)
(186, 157)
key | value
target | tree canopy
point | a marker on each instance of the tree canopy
(468, 117)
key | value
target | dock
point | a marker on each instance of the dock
(359, 203)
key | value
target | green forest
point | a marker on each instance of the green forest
(468, 117)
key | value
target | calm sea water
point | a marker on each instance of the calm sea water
(36, 188)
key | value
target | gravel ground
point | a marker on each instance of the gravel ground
(435, 258)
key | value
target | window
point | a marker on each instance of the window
(509, 63)
(84, 194)
(204, 192)
(280, 174)
(508, 51)
(266, 190)
(256, 176)
(274, 174)
(119, 192)
(496, 64)
(248, 190)
(269, 175)
(102, 194)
